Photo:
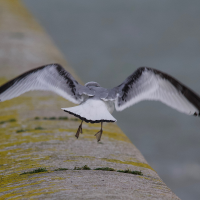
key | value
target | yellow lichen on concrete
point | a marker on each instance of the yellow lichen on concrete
(29, 193)
(15, 8)
(11, 182)
(129, 163)
(31, 140)
(3, 80)
(116, 135)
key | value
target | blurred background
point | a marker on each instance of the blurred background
(106, 40)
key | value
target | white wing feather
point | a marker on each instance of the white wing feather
(150, 84)
(51, 78)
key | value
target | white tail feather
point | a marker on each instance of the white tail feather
(91, 110)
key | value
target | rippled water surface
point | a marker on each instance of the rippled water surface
(106, 40)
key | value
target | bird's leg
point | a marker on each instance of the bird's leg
(79, 130)
(99, 134)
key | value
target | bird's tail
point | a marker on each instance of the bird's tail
(93, 111)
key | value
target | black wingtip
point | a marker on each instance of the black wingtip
(197, 114)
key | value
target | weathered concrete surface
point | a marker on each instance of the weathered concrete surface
(27, 143)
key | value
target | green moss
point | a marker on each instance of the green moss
(123, 171)
(63, 118)
(21, 130)
(52, 118)
(131, 172)
(60, 169)
(105, 169)
(49, 118)
(39, 128)
(12, 120)
(77, 168)
(35, 171)
(60, 118)
(85, 167)
(9, 120)
(75, 119)
(25, 130)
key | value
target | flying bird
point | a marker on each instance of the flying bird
(97, 103)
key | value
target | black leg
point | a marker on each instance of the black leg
(79, 130)
(99, 134)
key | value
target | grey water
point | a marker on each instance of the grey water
(106, 40)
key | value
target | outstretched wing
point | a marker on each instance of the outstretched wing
(151, 84)
(52, 77)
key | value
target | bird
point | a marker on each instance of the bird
(97, 103)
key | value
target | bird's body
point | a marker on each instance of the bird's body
(94, 109)
(97, 103)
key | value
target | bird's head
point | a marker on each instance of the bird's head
(92, 84)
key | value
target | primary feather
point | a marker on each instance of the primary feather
(151, 84)
(52, 77)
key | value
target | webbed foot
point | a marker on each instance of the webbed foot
(99, 134)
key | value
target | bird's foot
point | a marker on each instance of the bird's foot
(98, 135)
(79, 130)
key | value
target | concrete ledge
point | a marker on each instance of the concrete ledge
(35, 133)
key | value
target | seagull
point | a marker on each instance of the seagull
(97, 103)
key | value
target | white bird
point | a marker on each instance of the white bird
(96, 102)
